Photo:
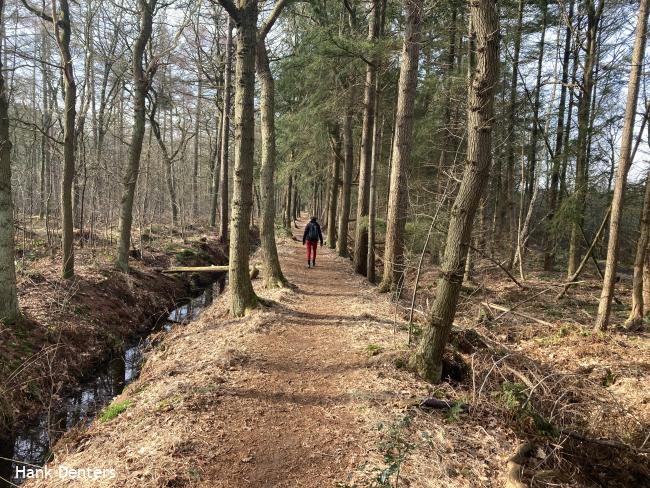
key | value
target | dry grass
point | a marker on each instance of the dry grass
(294, 396)
(70, 327)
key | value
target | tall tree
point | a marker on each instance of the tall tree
(346, 186)
(244, 14)
(398, 201)
(142, 78)
(197, 132)
(510, 151)
(62, 24)
(638, 299)
(337, 157)
(427, 360)
(535, 126)
(8, 299)
(582, 144)
(224, 199)
(624, 162)
(556, 163)
(363, 197)
(271, 272)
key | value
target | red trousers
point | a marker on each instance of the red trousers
(311, 250)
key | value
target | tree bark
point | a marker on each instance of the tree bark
(363, 197)
(638, 304)
(427, 360)
(287, 203)
(216, 173)
(397, 200)
(8, 298)
(197, 145)
(346, 187)
(45, 120)
(242, 296)
(549, 240)
(225, 135)
(372, 198)
(271, 270)
(593, 18)
(63, 32)
(624, 162)
(142, 80)
(337, 158)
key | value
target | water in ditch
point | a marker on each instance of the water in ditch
(30, 446)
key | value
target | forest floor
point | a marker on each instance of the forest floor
(311, 390)
(72, 326)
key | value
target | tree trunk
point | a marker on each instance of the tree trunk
(510, 152)
(534, 132)
(295, 204)
(337, 158)
(372, 201)
(63, 31)
(485, 23)
(8, 299)
(549, 253)
(286, 218)
(141, 80)
(624, 162)
(45, 142)
(167, 161)
(638, 303)
(363, 197)
(225, 134)
(197, 145)
(216, 173)
(593, 16)
(271, 272)
(242, 296)
(346, 187)
(398, 197)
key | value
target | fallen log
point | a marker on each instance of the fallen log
(196, 269)
(254, 271)
(443, 404)
(514, 312)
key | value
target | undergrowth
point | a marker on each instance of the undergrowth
(114, 410)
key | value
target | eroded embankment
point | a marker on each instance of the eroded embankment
(70, 328)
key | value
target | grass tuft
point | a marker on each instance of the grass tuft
(113, 410)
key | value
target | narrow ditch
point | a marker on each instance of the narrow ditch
(30, 446)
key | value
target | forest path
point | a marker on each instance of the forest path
(297, 410)
(287, 396)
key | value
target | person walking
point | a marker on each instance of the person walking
(311, 236)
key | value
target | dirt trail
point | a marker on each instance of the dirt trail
(280, 398)
(310, 391)
(295, 414)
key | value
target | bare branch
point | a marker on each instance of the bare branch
(37, 12)
(273, 16)
(232, 10)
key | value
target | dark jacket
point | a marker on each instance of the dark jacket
(312, 232)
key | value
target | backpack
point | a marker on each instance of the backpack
(312, 232)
